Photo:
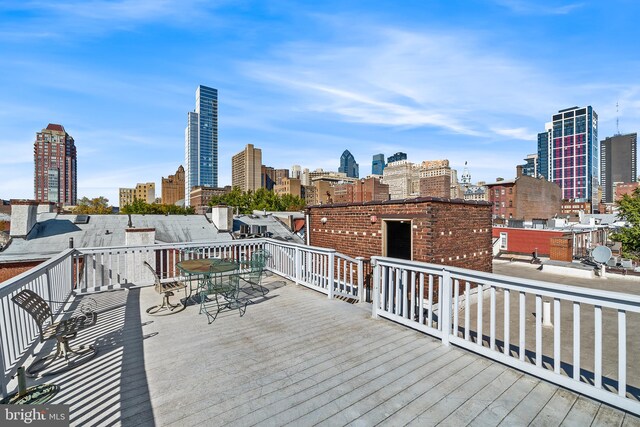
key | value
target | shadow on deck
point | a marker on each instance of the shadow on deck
(296, 357)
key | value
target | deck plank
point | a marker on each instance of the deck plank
(297, 357)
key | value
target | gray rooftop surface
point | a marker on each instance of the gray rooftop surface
(51, 234)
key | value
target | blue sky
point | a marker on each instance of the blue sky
(466, 80)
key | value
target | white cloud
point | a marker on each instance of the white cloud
(527, 7)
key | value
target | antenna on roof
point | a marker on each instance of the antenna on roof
(617, 120)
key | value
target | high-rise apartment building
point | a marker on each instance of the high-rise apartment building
(246, 169)
(296, 172)
(530, 168)
(397, 157)
(348, 165)
(143, 191)
(618, 157)
(55, 175)
(568, 153)
(377, 164)
(173, 187)
(201, 141)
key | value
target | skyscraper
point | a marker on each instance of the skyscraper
(348, 165)
(397, 157)
(377, 165)
(54, 155)
(530, 168)
(246, 169)
(201, 141)
(618, 157)
(569, 153)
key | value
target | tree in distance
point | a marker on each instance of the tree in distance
(261, 199)
(629, 210)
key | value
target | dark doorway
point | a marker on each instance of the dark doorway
(398, 239)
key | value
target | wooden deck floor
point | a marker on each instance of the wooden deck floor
(298, 358)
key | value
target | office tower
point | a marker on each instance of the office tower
(568, 153)
(377, 165)
(530, 168)
(403, 179)
(246, 169)
(201, 141)
(143, 191)
(397, 157)
(296, 172)
(173, 187)
(618, 156)
(55, 175)
(348, 165)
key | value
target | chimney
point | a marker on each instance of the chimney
(23, 217)
(222, 217)
(518, 171)
(45, 207)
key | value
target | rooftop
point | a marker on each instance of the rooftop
(296, 357)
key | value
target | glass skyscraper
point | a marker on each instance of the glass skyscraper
(568, 153)
(377, 165)
(201, 142)
(348, 165)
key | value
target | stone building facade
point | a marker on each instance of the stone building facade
(173, 187)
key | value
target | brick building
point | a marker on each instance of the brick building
(288, 186)
(440, 231)
(524, 197)
(201, 195)
(436, 186)
(173, 187)
(56, 167)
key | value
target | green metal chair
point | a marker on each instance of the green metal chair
(256, 267)
(220, 293)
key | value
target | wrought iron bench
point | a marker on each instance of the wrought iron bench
(62, 331)
(167, 290)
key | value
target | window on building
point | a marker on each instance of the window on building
(503, 241)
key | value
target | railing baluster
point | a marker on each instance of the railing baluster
(405, 290)
(492, 319)
(412, 314)
(539, 330)
(598, 347)
(557, 343)
(430, 303)
(383, 286)
(622, 353)
(479, 326)
(507, 323)
(456, 308)
(467, 310)
(522, 329)
(576, 341)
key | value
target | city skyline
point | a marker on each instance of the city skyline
(382, 79)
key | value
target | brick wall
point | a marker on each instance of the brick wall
(456, 233)
(12, 269)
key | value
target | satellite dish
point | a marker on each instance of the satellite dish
(601, 254)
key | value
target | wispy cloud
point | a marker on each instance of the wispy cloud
(527, 7)
(409, 79)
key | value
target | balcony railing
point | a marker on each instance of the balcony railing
(590, 329)
(470, 309)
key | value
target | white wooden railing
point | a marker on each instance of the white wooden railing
(98, 269)
(502, 318)
(52, 280)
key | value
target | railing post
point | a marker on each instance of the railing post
(446, 306)
(298, 265)
(360, 279)
(331, 281)
(375, 288)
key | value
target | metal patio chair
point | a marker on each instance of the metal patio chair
(167, 290)
(219, 294)
(62, 331)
